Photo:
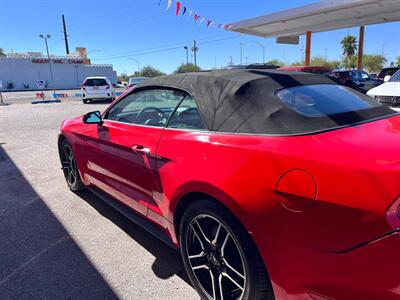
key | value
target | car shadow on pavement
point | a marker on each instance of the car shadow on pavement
(168, 260)
(38, 258)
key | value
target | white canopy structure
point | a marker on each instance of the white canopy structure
(322, 16)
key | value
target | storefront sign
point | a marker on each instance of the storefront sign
(56, 61)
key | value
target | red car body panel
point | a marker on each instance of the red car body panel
(370, 272)
(315, 205)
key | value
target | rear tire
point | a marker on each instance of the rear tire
(85, 101)
(70, 168)
(219, 255)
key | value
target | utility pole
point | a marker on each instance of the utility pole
(195, 49)
(46, 37)
(187, 54)
(65, 35)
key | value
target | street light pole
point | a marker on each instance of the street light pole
(77, 77)
(46, 37)
(187, 54)
(241, 53)
(263, 48)
(138, 63)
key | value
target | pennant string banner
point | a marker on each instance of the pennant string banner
(179, 8)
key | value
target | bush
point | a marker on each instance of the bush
(186, 68)
(149, 71)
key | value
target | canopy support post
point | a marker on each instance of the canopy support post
(360, 48)
(308, 48)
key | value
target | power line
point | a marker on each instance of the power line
(132, 52)
(159, 49)
(56, 43)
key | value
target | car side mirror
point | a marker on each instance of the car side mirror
(387, 78)
(93, 117)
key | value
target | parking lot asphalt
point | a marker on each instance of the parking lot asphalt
(26, 97)
(57, 244)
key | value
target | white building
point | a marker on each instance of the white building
(21, 71)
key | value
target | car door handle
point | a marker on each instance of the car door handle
(141, 149)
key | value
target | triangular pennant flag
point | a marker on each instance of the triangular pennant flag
(190, 13)
(202, 20)
(169, 4)
(178, 7)
(196, 16)
(184, 11)
(159, 3)
(209, 22)
(219, 26)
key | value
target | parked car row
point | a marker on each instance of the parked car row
(388, 93)
(385, 87)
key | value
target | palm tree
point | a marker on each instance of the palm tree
(349, 46)
(2, 52)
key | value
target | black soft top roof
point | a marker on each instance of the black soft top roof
(245, 101)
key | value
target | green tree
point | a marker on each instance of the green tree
(149, 71)
(398, 61)
(123, 77)
(186, 68)
(2, 52)
(349, 47)
(374, 62)
(323, 62)
(276, 62)
(298, 63)
(350, 62)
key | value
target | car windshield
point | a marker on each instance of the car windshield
(324, 100)
(136, 80)
(395, 77)
(95, 82)
(387, 72)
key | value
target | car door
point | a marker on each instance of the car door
(122, 159)
(178, 149)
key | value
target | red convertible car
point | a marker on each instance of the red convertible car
(273, 184)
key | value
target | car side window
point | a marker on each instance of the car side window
(151, 107)
(187, 116)
(353, 74)
(364, 75)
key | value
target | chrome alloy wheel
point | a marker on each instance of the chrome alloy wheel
(69, 165)
(215, 258)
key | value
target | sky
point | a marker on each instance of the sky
(134, 33)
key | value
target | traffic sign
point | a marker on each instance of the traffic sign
(40, 84)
